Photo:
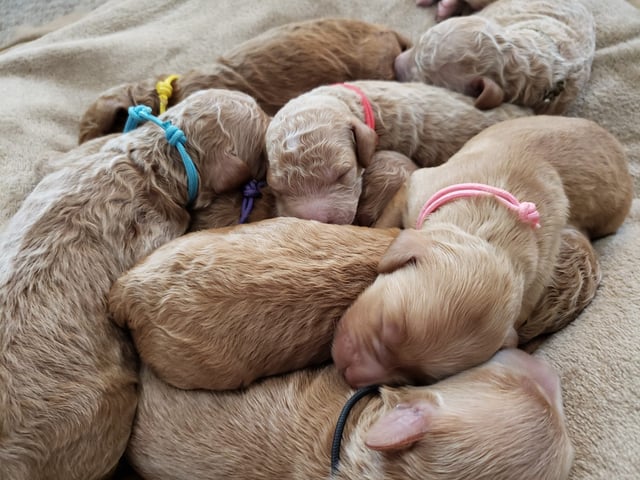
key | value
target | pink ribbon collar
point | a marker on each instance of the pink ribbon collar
(527, 211)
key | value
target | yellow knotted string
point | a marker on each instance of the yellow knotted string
(165, 90)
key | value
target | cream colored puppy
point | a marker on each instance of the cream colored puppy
(221, 308)
(535, 53)
(68, 375)
(319, 143)
(499, 421)
(459, 287)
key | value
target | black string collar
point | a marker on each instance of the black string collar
(342, 420)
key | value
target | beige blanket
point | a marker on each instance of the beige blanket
(45, 86)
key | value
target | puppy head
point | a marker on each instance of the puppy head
(316, 154)
(500, 420)
(464, 54)
(225, 137)
(444, 301)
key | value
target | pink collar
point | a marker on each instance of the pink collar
(369, 117)
(526, 211)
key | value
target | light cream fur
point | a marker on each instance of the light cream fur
(500, 421)
(68, 374)
(274, 67)
(532, 53)
(221, 308)
(458, 289)
(318, 143)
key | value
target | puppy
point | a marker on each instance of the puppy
(319, 143)
(459, 287)
(499, 421)
(220, 308)
(532, 53)
(273, 67)
(68, 374)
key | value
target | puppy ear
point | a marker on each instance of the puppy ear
(231, 173)
(408, 246)
(487, 92)
(366, 142)
(401, 427)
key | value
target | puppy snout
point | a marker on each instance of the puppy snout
(358, 367)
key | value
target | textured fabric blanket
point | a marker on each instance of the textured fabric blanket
(47, 84)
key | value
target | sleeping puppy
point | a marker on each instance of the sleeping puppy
(532, 53)
(319, 143)
(501, 421)
(221, 308)
(380, 182)
(461, 285)
(273, 67)
(68, 374)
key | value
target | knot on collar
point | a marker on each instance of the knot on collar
(528, 213)
(250, 192)
(174, 135)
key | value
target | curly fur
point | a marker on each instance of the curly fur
(273, 67)
(68, 374)
(220, 308)
(532, 53)
(453, 293)
(500, 421)
(572, 286)
(318, 143)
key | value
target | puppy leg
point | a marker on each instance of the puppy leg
(380, 182)
(574, 283)
(108, 113)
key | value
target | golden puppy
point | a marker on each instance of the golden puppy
(68, 374)
(273, 67)
(220, 308)
(535, 53)
(501, 421)
(319, 143)
(459, 287)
